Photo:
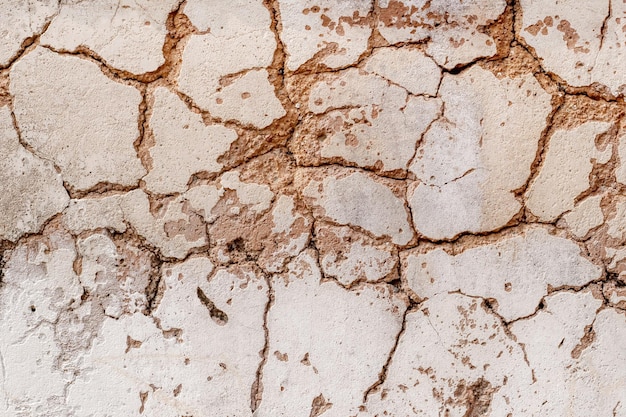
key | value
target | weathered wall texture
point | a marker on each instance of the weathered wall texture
(312, 207)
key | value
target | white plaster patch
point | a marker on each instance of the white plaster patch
(374, 122)
(515, 271)
(32, 191)
(582, 43)
(251, 91)
(455, 356)
(184, 145)
(475, 156)
(127, 34)
(338, 30)
(565, 172)
(451, 26)
(19, 20)
(356, 199)
(235, 43)
(316, 332)
(72, 114)
(409, 68)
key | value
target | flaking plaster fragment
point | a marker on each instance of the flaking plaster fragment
(32, 191)
(336, 32)
(582, 43)
(473, 158)
(516, 271)
(117, 276)
(250, 100)
(249, 222)
(175, 228)
(127, 34)
(351, 197)
(408, 67)
(565, 172)
(93, 213)
(73, 115)
(183, 144)
(454, 358)
(316, 341)
(453, 28)
(585, 216)
(361, 118)
(233, 43)
(20, 20)
(349, 256)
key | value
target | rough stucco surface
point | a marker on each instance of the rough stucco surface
(270, 208)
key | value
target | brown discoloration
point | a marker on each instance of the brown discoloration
(143, 396)
(586, 341)
(132, 344)
(5, 96)
(283, 357)
(476, 397)
(571, 37)
(217, 315)
(319, 406)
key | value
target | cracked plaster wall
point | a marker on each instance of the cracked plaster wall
(312, 208)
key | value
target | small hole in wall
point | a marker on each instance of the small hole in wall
(33, 308)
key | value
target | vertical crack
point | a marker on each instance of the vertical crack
(256, 392)
(382, 375)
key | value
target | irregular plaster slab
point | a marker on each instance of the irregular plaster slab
(127, 34)
(376, 123)
(515, 271)
(290, 234)
(187, 373)
(234, 44)
(38, 283)
(175, 229)
(580, 42)
(348, 256)
(250, 100)
(453, 27)
(226, 19)
(338, 32)
(475, 156)
(258, 196)
(183, 146)
(250, 222)
(94, 213)
(72, 114)
(453, 359)
(585, 216)
(21, 19)
(32, 190)
(230, 306)
(117, 276)
(350, 197)
(407, 67)
(316, 342)
(573, 353)
(616, 225)
(565, 172)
